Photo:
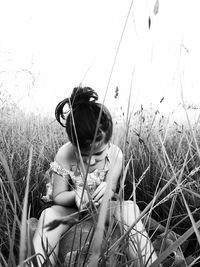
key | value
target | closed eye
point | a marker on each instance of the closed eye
(99, 153)
(96, 154)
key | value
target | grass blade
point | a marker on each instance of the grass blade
(10, 178)
(176, 244)
(23, 241)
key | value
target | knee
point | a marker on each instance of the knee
(131, 207)
(63, 211)
(55, 212)
(47, 215)
(129, 211)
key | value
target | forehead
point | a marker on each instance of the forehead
(98, 146)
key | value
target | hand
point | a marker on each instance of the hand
(98, 194)
(81, 204)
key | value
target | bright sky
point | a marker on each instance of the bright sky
(48, 47)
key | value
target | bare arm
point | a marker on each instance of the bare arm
(61, 194)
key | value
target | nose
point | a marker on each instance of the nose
(91, 161)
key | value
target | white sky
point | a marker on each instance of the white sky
(47, 47)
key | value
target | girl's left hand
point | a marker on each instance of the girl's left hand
(99, 192)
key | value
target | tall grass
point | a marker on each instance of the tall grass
(161, 173)
(20, 132)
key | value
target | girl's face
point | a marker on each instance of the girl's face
(99, 154)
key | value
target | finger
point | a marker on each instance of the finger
(100, 194)
(99, 189)
(96, 204)
(97, 197)
(100, 200)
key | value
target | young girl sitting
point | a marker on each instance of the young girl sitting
(82, 169)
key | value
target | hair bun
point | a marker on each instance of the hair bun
(82, 95)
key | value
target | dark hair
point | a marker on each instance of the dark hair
(85, 111)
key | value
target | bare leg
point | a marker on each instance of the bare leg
(50, 239)
(139, 242)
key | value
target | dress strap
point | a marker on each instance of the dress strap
(55, 167)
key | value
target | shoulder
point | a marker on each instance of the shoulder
(65, 155)
(115, 154)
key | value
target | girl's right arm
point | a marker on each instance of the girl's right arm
(61, 194)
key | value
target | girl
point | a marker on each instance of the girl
(82, 169)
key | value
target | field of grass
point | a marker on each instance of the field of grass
(161, 171)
